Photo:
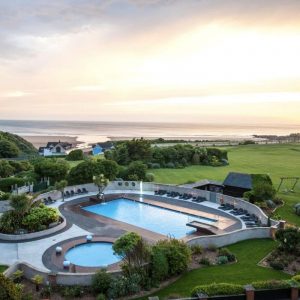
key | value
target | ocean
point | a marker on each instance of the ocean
(89, 131)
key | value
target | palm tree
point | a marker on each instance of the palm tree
(21, 204)
(101, 182)
(60, 186)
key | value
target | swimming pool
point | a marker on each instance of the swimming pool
(154, 218)
(94, 254)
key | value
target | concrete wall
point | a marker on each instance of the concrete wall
(61, 277)
(231, 237)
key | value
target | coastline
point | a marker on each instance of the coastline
(42, 140)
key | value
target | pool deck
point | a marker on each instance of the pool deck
(80, 224)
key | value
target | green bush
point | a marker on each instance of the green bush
(7, 183)
(4, 196)
(159, 267)
(71, 292)
(101, 297)
(178, 255)
(149, 177)
(40, 217)
(218, 289)
(8, 290)
(222, 260)
(196, 249)
(270, 284)
(101, 282)
(225, 252)
(204, 261)
(277, 265)
(8, 149)
(296, 278)
(289, 239)
(6, 169)
(76, 154)
(9, 222)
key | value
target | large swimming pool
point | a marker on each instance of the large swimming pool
(154, 218)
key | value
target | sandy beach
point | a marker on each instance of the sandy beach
(41, 141)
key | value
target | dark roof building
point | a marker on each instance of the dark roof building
(206, 185)
(236, 184)
(65, 145)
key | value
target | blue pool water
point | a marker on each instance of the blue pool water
(157, 219)
(95, 254)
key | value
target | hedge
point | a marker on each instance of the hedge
(218, 289)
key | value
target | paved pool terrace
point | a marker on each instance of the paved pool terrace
(82, 223)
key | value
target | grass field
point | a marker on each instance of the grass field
(246, 270)
(275, 160)
(2, 268)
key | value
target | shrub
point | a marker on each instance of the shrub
(289, 239)
(101, 297)
(8, 290)
(71, 292)
(4, 196)
(170, 165)
(225, 252)
(6, 169)
(204, 261)
(155, 166)
(75, 155)
(212, 248)
(219, 289)
(196, 249)
(178, 255)
(296, 278)
(159, 267)
(149, 177)
(9, 222)
(40, 217)
(222, 260)
(8, 149)
(7, 183)
(270, 284)
(270, 204)
(100, 282)
(277, 265)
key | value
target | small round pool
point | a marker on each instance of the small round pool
(94, 254)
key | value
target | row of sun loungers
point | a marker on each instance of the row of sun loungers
(48, 200)
(250, 220)
(73, 193)
(184, 196)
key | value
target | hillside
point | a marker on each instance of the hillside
(16, 144)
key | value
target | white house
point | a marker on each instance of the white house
(55, 148)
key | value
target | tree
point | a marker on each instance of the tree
(6, 169)
(76, 154)
(60, 186)
(289, 239)
(101, 182)
(108, 168)
(21, 204)
(9, 290)
(8, 149)
(133, 250)
(137, 170)
(53, 169)
(82, 173)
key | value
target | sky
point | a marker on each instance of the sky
(193, 61)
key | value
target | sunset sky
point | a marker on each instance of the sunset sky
(216, 61)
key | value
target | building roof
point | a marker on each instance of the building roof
(104, 145)
(239, 180)
(202, 183)
(54, 144)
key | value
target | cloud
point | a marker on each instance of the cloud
(88, 88)
(16, 94)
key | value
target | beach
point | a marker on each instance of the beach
(41, 141)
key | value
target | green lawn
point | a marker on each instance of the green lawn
(2, 268)
(246, 270)
(276, 160)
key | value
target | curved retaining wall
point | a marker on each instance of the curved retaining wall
(232, 237)
(34, 235)
(59, 278)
